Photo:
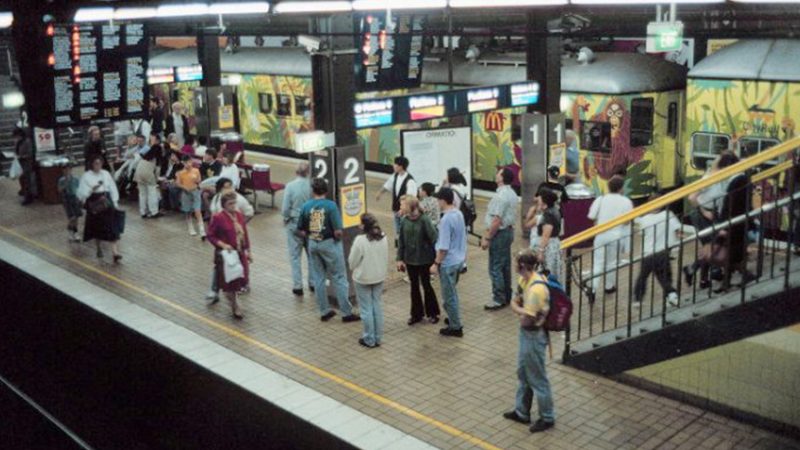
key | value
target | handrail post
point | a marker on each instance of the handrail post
(630, 282)
(568, 289)
(791, 238)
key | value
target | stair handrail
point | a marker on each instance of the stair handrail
(684, 191)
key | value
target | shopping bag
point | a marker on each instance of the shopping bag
(15, 171)
(119, 221)
(231, 265)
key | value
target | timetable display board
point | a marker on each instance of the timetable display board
(390, 51)
(99, 72)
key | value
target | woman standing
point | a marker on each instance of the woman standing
(545, 227)
(368, 262)
(228, 231)
(455, 180)
(100, 196)
(415, 254)
(95, 147)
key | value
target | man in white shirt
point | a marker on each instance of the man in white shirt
(608, 245)
(660, 230)
(230, 171)
(399, 184)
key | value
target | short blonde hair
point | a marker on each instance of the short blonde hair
(412, 203)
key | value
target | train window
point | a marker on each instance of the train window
(284, 105)
(706, 147)
(642, 111)
(672, 120)
(749, 146)
(302, 106)
(265, 103)
(596, 136)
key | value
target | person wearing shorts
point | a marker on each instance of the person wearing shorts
(188, 180)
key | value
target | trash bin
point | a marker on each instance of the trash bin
(576, 212)
(49, 171)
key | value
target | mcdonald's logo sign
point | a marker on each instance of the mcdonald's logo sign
(494, 121)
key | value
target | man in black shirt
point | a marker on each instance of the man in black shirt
(210, 167)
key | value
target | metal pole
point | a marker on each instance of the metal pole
(568, 288)
(449, 48)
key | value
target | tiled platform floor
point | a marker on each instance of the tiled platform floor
(448, 392)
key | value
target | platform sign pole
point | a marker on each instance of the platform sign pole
(322, 166)
(534, 159)
(351, 194)
(556, 142)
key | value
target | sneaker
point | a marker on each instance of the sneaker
(672, 298)
(351, 318)
(541, 425)
(297, 292)
(328, 316)
(192, 233)
(512, 415)
(494, 306)
(452, 332)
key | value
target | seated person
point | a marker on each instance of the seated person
(210, 167)
(224, 186)
(189, 147)
(170, 192)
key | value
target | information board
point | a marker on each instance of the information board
(390, 51)
(431, 152)
(99, 72)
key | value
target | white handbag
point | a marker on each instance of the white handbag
(15, 171)
(231, 265)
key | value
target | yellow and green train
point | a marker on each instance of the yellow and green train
(633, 113)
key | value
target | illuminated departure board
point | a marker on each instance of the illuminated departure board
(99, 72)
(390, 52)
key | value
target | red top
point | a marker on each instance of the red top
(222, 229)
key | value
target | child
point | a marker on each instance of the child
(428, 204)
(660, 232)
(188, 179)
(68, 188)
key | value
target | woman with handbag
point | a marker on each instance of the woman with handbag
(227, 232)
(99, 194)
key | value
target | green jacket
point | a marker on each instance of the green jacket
(416, 241)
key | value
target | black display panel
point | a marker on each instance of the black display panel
(98, 72)
(390, 51)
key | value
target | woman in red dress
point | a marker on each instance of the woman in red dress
(228, 231)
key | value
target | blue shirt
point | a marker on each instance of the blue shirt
(452, 237)
(296, 194)
(144, 149)
(573, 159)
(320, 218)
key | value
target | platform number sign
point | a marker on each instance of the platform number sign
(322, 167)
(352, 197)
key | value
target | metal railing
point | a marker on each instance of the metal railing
(763, 233)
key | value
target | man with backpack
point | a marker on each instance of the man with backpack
(500, 217)
(532, 305)
(399, 184)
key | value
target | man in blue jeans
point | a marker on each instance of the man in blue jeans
(500, 217)
(532, 305)
(321, 223)
(451, 252)
(297, 193)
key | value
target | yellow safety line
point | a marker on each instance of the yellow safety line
(684, 191)
(267, 348)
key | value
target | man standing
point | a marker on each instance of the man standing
(399, 184)
(500, 217)
(451, 253)
(297, 193)
(532, 305)
(321, 223)
(178, 123)
(157, 116)
(26, 158)
(609, 244)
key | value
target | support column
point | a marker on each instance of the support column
(208, 55)
(543, 58)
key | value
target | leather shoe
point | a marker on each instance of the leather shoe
(540, 426)
(414, 320)
(328, 316)
(512, 415)
(452, 332)
(351, 318)
(297, 292)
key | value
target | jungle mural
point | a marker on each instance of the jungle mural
(185, 94)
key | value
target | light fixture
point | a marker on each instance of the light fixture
(239, 8)
(766, 1)
(638, 2)
(6, 19)
(13, 100)
(134, 13)
(178, 10)
(313, 7)
(503, 3)
(94, 14)
(367, 5)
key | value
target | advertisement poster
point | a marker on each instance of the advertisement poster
(353, 204)
(45, 139)
(226, 117)
(558, 154)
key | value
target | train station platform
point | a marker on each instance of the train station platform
(443, 392)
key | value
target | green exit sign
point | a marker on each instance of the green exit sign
(664, 36)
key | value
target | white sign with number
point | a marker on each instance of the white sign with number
(45, 139)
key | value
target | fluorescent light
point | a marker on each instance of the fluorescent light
(313, 7)
(6, 19)
(361, 5)
(13, 100)
(638, 2)
(766, 1)
(94, 14)
(239, 8)
(187, 9)
(134, 13)
(503, 3)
